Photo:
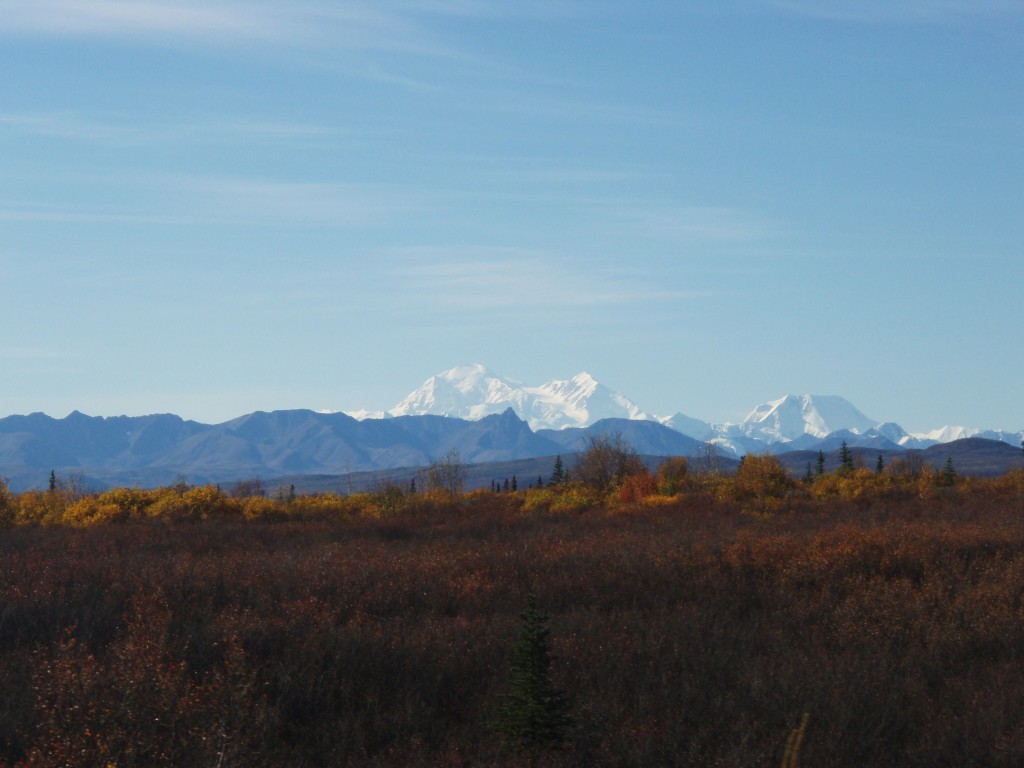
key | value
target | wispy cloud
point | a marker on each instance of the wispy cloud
(63, 125)
(53, 214)
(230, 201)
(132, 17)
(249, 201)
(384, 24)
(494, 278)
(901, 11)
(698, 224)
(576, 110)
(122, 129)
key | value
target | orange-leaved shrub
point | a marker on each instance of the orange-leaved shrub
(636, 487)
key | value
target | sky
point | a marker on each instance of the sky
(211, 208)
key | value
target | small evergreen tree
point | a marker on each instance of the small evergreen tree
(533, 716)
(808, 478)
(845, 459)
(515, 483)
(948, 476)
(879, 465)
(540, 481)
(558, 474)
(820, 464)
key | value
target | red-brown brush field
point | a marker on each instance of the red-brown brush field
(691, 630)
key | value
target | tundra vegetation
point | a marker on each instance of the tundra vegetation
(852, 618)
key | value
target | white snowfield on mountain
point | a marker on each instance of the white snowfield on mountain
(473, 392)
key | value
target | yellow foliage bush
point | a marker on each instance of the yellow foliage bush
(319, 505)
(90, 510)
(133, 502)
(202, 502)
(759, 477)
(858, 485)
(40, 508)
(539, 499)
(485, 501)
(657, 501)
(261, 508)
(574, 497)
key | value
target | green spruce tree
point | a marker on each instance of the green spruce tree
(558, 474)
(948, 477)
(533, 716)
(845, 459)
(820, 464)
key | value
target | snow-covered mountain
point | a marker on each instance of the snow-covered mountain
(689, 426)
(473, 391)
(794, 422)
(793, 416)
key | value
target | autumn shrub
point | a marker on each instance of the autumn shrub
(262, 508)
(636, 487)
(360, 504)
(539, 499)
(388, 497)
(132, 502)
(8, 506)
(574, 497)
(684, 631)
(90, 511)
(482, 501)
(40, 508)
(761, 484)
(672, 476)
(863, 486)
(1009, 485)
(203, 502)
(136, 704)
(606, 461)
(320, 506)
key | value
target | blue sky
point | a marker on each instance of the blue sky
(210, 208)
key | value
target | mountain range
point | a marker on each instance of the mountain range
(794, 422)
(485, 417)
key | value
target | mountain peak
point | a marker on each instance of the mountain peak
(473, 392)
(584, 379)
(793, 416)
(467, 377)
